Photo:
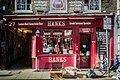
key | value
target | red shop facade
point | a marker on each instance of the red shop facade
(62, 41)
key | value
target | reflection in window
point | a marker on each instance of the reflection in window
(57, 42)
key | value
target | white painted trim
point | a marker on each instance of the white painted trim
(89, 14)
(100, 5)
(23, 11)
(118, 7)
(53, 18)
(84, 18)
(15, 19)
(75, 60)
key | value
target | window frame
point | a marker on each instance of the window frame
(118, 45)
(92, 11)
(23, 11)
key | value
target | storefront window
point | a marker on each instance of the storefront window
(101, 42)
(57, 42)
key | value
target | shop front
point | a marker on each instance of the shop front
(62, 41)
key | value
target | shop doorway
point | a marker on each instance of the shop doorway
(85, 40)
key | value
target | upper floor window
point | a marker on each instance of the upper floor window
(89, 6)
(58, 6)
(92, 5)
(23, 6)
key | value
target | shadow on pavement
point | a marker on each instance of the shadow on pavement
(23, 63)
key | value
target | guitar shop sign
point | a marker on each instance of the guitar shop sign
(56, 23)
(29, 23)
(80, 23)
(57, 59)
(13, 24)
(63, 23)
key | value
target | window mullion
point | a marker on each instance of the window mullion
(26, 5)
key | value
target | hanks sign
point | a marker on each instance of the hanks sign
(56, 23)
(57, 59)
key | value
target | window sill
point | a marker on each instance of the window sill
(58, 11)
(23, 11)
(92, 11)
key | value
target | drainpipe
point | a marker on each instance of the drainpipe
(115, 36)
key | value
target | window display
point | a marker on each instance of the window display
(57, 42)
(101, 42)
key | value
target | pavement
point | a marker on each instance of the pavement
(22, 70)
(23, 74)
(28, 74)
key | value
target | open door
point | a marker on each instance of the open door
(85, 50)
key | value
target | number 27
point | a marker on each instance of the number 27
(11, 23)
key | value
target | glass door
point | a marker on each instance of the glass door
(85, 50)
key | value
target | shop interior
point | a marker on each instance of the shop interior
(57, 41)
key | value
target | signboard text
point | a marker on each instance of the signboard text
(56, 23)
(57, 59)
